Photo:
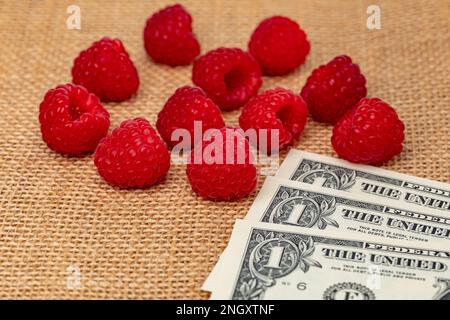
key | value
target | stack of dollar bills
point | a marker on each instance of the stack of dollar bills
(324, 228)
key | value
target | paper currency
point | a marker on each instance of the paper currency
(362, 179)
(299, 204)
(272, 261)
(303, 205)
(318, 196)
(213, 278)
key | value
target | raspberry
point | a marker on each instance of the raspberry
(106, 70)
(231, 175)
(371, 133)
(230, 77)
(168, 37)
(133, 155)
(275, 109)
(279, 45)
(334, 88)
(185, 106)
(72, 120)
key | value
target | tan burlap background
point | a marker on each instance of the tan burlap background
(57, 215)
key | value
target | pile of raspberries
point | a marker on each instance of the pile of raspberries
(74, 121)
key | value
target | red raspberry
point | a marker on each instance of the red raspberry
(275, 109)
(185, 106)
(168, 37)
(72, 120)
(371, 133)
(133, 155)
(279, 45)
(334, 88)
(219, 179)
(230, 77)
(106, 70)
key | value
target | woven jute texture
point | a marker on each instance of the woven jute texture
(58, 218)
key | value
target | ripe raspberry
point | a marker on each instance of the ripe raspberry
(106, 70)
(279, 45)
(72, 120)
(371, 133)
(334, 88)
(230, 77)
(132, 155)
(279, 109)
(185, 106)
(168, 37)
(225, 173)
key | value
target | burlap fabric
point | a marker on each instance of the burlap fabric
(57, 216)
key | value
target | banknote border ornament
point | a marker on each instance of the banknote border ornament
(344, 181)
(300, 257)
(321, 215)
(332, 290)
(443, 286)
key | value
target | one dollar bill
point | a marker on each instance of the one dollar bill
(304, 205)
(269, 261)
(363, 180)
